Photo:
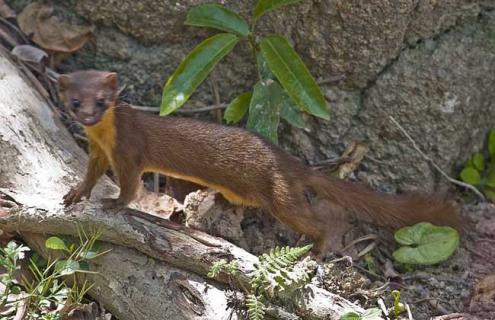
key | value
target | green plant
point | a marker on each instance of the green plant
(479, 171)
(9, 260)
(276, 272)
(285, 88)
(398, 307)
(47, 286)
(425, 244)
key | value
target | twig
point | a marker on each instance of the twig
(145, 109)
(427, 158)
(216, 93)
(21, 308)
(371, 273)
(382, 306)
(367, 237)
(182, 111)
(409, 314)
(452, 316)
(203, 109)
(332, 80)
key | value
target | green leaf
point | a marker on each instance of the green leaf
(351, 316)
(218, 17)
(88, 255)
(194, 69)
(264, 110)
(55, 243)
(425, 244)
(471, 176)
(478, 161)
(263, 6)
(489, 193)
(83, 265)
(290, 70)
(66, 267)
(290, 113)
(490, 179)
(491, 143)
(264, 71)
(237, 108)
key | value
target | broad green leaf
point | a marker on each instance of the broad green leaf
(290, 70)
(290, 113)
(351, 316)
(237, 108)
(55, 243)
(264, 109)
(490, 179)
(66, 267)
(478, 161)
(489, 193)
(263, 6)
(88, 255)
(218, 17)
(471, 176)
(264, 71)
(194, 69)
(83, 266)
(491, 143)
(425, 244)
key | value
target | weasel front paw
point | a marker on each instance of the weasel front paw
(75, 195)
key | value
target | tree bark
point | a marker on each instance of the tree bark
(156, 268)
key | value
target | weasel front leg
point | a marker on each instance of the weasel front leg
(129, 180)
(97, 165)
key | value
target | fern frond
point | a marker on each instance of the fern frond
(276, 272)
(216, 268)
(256, 308)
(231, 268)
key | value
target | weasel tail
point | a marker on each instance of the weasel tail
(385, 209)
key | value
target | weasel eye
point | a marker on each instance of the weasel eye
(76, 104)
(101, 103)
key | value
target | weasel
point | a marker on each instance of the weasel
(244, 167)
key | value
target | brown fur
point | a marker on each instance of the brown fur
(244, 167)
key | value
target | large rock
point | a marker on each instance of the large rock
(441, 91)
(428, 63)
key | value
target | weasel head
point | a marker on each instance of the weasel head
(88, 94)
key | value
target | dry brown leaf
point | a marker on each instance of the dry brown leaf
(6, 11)
(484, 291)
(49, 32)
(353, 154)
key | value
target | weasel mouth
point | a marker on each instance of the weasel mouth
(89, 121)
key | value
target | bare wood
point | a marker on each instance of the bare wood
(39, 163)
(142, 289)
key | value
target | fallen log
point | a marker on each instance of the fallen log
(156, 268)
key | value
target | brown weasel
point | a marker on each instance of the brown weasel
(245, 168)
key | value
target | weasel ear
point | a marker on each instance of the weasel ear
(111, 80)
(63, 82)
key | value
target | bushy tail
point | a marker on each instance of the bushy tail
(386, 209)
